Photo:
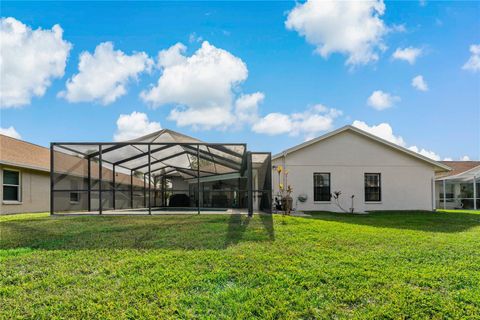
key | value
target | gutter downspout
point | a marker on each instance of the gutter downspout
(444, 195)
(474, 193)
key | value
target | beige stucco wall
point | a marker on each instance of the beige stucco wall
(35, 190)
(406, 181)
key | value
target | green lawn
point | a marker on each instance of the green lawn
(381, 265)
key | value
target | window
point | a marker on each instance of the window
(321, 187)
(11, 185)
(74, 196)
(373, 187)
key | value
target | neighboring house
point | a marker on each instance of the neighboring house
(24, 175)
(379, 175)
(459, 188)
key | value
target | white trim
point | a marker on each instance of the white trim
(22, 166)
(368, 135)
(9, 202)
(19, 186)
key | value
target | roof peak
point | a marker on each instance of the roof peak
(365, 134)
(165, 135)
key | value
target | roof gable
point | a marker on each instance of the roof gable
(439, 166)
(166, 135)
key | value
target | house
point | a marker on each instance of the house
(460, 187)
(369, 172)
(24, 175)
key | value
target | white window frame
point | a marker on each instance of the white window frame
(19, 186)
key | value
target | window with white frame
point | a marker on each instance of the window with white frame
(11, 185)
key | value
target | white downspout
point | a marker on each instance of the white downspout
(474, 193)
(434, 200)
(444, 195)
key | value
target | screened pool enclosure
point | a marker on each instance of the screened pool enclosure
(162, 172)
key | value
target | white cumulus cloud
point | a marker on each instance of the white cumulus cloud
(409, 54)
(10, 132)
(353, 28)
(382, 100)
(419, 83)
(29, 61)
(246, 107)
(134, 125)
(473, 63)
(385, 131)
(273, 124)
(308, 123)
(103, 76)
(465, 158)
(172, 56)
(203, 86)
(426, 153)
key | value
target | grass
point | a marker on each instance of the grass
(378, 266)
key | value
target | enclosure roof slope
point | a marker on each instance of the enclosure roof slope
(166, 135)
(438, 165)
(168, 151)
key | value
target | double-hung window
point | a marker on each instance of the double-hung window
(11, 185)
(321, 187)
(373, 187)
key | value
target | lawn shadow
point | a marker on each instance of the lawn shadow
(188, 232)
(237, 225)
(267, 221)
(410, 220)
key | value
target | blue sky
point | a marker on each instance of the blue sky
(291, 78)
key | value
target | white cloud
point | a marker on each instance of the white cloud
(419, 83)
(10, 132)
(308, 123)
(465, 158)
(409, 54)
(447, 159)
(351, 28)
(381, 100)
(202, 86)
(103, 76)
(385, 131)
(246, 107)
(172, 56)
(398, 28)
(425, 153)
(29, 61)
(134, 125)
(273, 124)
(194, 38)
(473, 63)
